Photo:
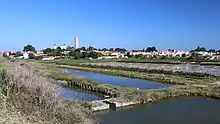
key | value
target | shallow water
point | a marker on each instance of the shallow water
(117, 80)
(193, 110)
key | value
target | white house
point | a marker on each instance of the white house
(205, 53)
(48, 58)
(26, 55)
(63, 47)
(215, 57)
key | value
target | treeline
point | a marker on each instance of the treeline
(76, 54)
(203, 49)
(148, 49)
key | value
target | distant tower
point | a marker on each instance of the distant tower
(76, 42)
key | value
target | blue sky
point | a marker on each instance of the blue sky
(132, 24)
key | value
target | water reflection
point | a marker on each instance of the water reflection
(117, 80)
(172, 111)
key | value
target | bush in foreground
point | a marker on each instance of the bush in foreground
(36, 99)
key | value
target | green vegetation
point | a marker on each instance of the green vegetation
(53, 52)
(80, 53)
(29, 48)
(175, 91)
(77, 54)
(151, 49)
(91, 52)
(199, 49)
(203, 49)
(17, 54)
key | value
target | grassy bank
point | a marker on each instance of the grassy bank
(28, 97)
(154, 95)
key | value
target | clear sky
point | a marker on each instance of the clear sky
(132, 24)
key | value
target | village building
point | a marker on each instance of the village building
(215, 57)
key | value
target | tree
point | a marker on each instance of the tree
(212, 50)
(129, 55)
(31, 56)
(5, 54)
(58, 51)
(48, 51)
(94, 55)
(69, 48)
(183, 55)
(72, 53)
(90, 48)
(194, 55)
(12, 53)
(120, 50)
(111, 49)
(138, 56)
(17, 54)
(29, 48)
(83, 48)
(77, 55)
(199, 49)
(85, 55)
(170, 50)
(78, 50)
(104, 49)
(203, 49)
(154, 49)
(151, 49)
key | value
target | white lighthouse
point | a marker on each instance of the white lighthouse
(76, 42)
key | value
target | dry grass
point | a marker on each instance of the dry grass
(29, 97)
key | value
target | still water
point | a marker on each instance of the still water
(117, 80)
(74, 94)
(183, 110)
(193, 110)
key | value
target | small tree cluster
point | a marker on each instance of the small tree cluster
(29, 48)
